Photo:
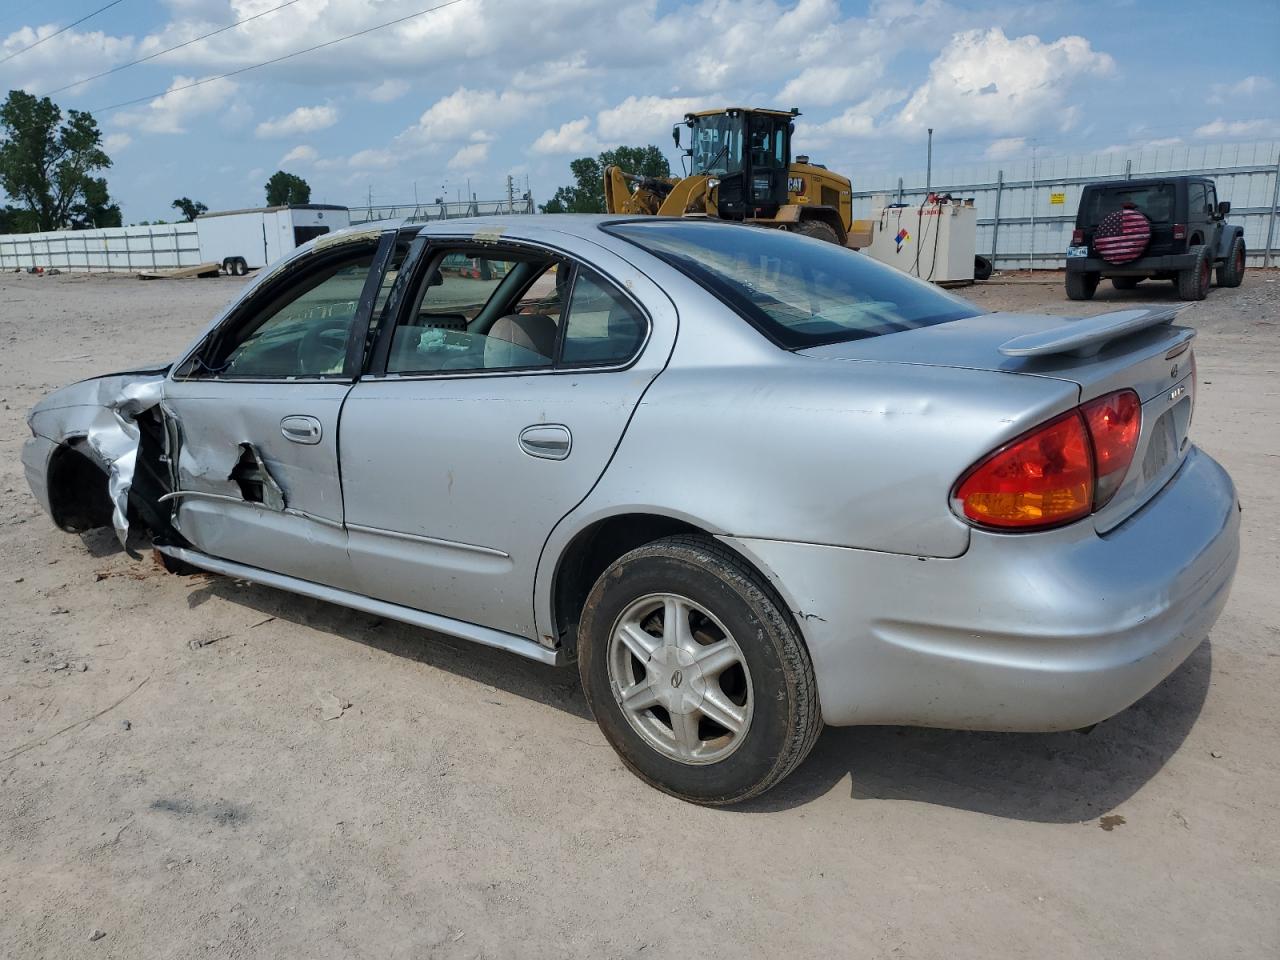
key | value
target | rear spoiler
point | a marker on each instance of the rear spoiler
(1086, 336)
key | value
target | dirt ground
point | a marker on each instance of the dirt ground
(202, 802)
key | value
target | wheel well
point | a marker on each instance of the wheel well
(78, 496)
(591, 552)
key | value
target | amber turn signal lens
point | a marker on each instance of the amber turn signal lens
(1041, 479)
(1114, 422)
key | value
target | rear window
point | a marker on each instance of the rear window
(1154, 200)
(797, 291)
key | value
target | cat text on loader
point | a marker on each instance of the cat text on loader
(740, 168)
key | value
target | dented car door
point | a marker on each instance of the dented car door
(252, 416)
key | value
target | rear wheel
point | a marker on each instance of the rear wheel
(1231, 273)
(1081, 285)
(817, 229)
(695, 673)
(1193, 282)
(1125, 283)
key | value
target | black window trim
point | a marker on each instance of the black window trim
(424, 252)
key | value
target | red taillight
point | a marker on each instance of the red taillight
(1179, 231)
(1114, 422)
(1077, 238)
(1057, 473)
(1041, 479)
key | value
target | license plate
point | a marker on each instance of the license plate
(1077, 251)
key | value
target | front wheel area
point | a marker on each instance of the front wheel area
(695, 673)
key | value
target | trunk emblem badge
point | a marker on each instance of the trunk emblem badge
(1175, 393)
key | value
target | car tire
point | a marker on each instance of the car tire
(1231, 273)
(1126, 283)
(242, 267)
(1193, 282)
(817, 229)
(1081, 285)
(982, 268)
(727, 619)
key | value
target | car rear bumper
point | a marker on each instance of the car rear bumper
(1143, 266)
(1031, 632)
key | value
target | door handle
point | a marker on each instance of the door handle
(549, 441)
(301, 429)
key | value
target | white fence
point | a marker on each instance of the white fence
(109, 249)
(1026, 208)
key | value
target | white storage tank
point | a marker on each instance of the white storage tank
(935, 240)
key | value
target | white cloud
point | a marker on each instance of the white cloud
(1250, 86)
(115, 142)
(372, 159)
(388, 90)
(452, 118)
(1255, 129)
(469, 157)
(170, 112)
(1005, 147)
(298, 121)
(856, 121)
(300, 154)
(61, 59)
(827, 84)
(985, 82)
(646, 118)
(573, 137)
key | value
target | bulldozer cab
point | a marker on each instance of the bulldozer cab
(748, 151)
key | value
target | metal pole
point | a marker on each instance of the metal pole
(1271, 220)
(928, 169)
(1033, 209)
(1128, 169)
(899, 190)
(995, 225)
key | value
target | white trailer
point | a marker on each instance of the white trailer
(244, 240)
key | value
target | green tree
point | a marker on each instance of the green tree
(287, 189)
(191, 208)
(46, 162)
(586, 193)
(95, 208)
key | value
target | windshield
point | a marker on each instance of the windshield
(717, 145)
(1154, 200)
(798, 291)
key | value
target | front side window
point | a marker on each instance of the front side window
(717, 145)
(798, 292)
(304, 332)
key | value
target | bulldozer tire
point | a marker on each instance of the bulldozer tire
(816, 229)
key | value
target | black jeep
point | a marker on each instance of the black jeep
(1168, 228)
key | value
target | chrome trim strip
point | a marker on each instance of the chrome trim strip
(201, 495)
(484, 636)
(434, 541)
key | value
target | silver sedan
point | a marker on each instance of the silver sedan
(750, 482)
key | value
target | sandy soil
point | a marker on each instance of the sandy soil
(197, 802)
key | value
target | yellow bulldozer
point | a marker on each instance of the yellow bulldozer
(741, 168)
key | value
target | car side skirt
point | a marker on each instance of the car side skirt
(380, 608)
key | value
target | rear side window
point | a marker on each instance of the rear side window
(1155, 201)
(797, 291)
(603, 327)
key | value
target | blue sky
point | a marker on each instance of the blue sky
(484, 88)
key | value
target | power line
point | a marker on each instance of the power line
(63, 30)
(267, 63)
(179, 46)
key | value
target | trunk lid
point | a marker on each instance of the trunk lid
(1133, 349)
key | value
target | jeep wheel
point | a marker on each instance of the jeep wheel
(1231, 273)
(695, 672)
(1126, 283)
(1081, 286)
(1193, 282)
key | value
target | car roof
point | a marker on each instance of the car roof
(1144, 182)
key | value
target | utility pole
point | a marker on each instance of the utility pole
(928, 169)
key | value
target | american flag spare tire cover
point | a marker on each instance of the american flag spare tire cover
(1122, 236)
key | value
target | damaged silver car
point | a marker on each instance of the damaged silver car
(749, 481)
